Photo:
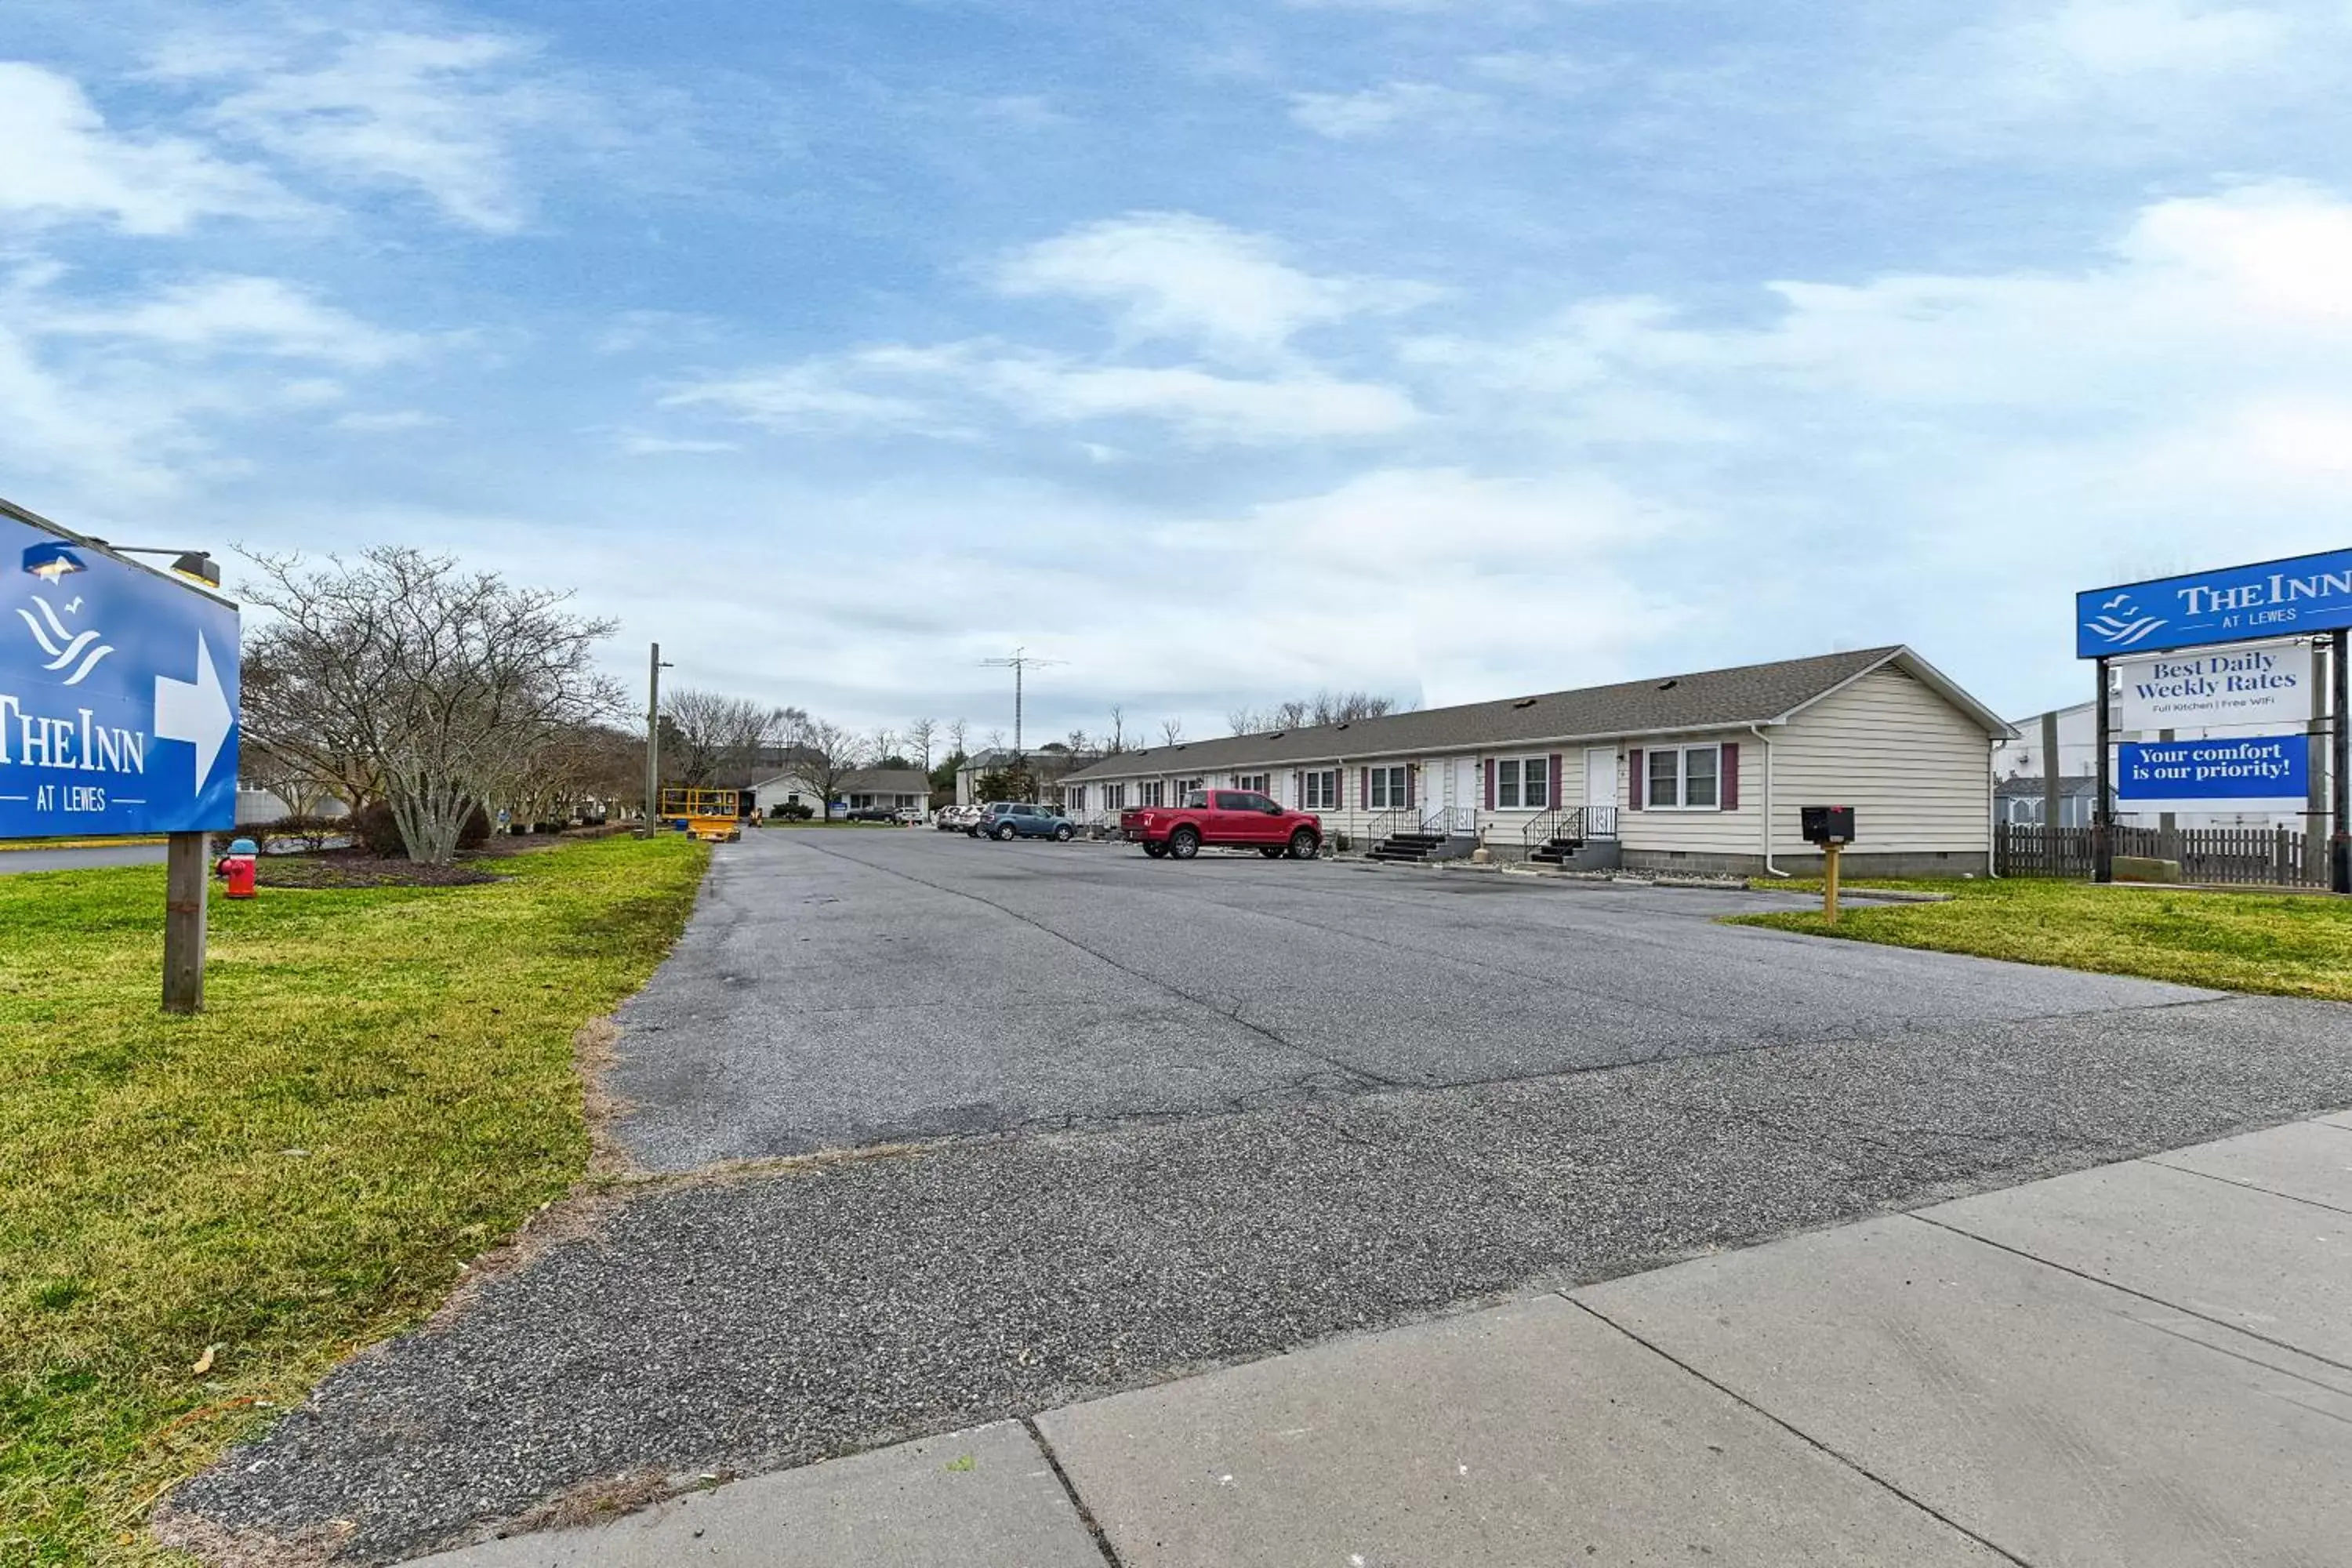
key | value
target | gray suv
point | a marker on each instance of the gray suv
(1007, 819)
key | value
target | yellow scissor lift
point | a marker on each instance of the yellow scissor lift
(710, 815)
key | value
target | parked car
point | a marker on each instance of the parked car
(1006, 820)
(909, 816)
(1239, 818)
(873, 814)
(955, 818)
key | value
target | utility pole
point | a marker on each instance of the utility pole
(654, 667)
(1021, 662)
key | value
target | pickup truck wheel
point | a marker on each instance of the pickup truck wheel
(1302, 845)
(1155, 850)
(1005, 831)
(1064, 834)
(1185, 843)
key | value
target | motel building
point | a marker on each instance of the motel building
(1701, 772)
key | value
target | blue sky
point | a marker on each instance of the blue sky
(1449, 348)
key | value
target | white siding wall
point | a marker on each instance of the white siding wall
(1914, 769)
(1705, 831)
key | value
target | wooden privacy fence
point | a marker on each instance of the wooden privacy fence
(2253, 856)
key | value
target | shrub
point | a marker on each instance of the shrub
(306, 832)
(379, 830)
(794, 811)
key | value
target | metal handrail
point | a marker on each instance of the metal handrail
(1388, 824)
(1545, 827)
(1447, 821)
(1600, 822)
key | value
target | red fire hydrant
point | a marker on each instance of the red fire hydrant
(239, 867)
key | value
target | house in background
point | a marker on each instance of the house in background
(1047, 766)
(860, 789)
(1705, 772)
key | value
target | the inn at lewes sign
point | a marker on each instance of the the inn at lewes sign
(2239, 604)
(2309, 595)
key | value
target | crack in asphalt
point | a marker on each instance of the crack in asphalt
(1362, 1073)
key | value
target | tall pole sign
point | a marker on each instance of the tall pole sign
(2304, 596)
(118, 713)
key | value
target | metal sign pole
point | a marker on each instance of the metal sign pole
(2340, 856)
(2103, 835)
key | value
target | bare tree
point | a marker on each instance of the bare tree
(1242, 720)
(712, 738)
(995, 739)
(919, 735)
(443, 687)
(1118, 743)
(957, 730)
(826, 753)
(1290, 715)
(1346, 706)
(1078, 741)
(1171, 730)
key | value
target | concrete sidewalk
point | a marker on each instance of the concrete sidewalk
(2142, 1364)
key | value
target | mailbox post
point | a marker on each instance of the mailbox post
(1831, 827)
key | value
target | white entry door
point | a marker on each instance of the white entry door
(1461, 793)
(1599, 779)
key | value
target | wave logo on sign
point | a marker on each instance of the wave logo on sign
(2120, 622)
(67, 646)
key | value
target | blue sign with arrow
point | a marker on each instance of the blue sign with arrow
(2236, 604)
(118, 694)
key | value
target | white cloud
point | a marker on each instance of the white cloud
(2184, 396)
(1544, 72)
(441, 114)
(638, 444)
(634, 331)
(252, 315)
(1179, 276)
(392, 422)
(1202, 406)
(800, 397)
(59, 159)
(125, 394)
(952, 389)
(2118, 79)
(1391, 106)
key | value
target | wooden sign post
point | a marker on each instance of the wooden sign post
(186, 881)
(1831, 827)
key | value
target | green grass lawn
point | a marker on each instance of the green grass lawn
(381, 1088)
(2285, 945)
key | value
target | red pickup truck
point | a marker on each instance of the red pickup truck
(1237, 818)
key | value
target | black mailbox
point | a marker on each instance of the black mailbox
(1828, 824)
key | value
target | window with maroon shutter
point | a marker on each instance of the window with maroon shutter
(1634, 777)
(1731, 775)
(1556, 801)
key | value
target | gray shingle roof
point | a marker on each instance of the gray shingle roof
(884, 780)
(1708, 700)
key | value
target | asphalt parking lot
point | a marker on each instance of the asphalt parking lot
(840, 989)
(1063, 1121)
